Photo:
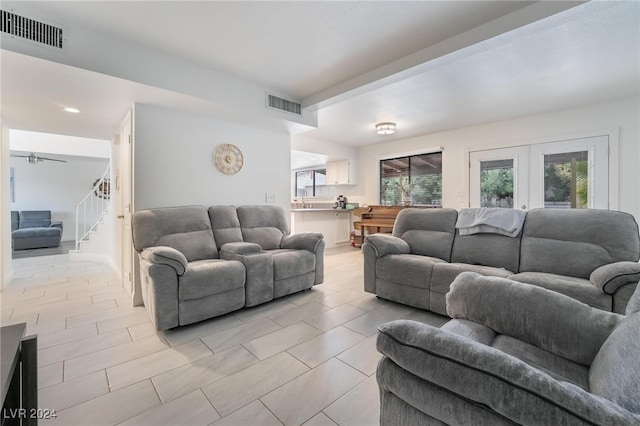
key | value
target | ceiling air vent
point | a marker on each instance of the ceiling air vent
(284, 105)
(30, 29)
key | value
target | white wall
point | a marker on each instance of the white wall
(335, 151)
(173, 154)
(623, 115)
(50, 185)
(22, 140)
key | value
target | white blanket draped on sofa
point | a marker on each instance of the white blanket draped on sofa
(490, 220)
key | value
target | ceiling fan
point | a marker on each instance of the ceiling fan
(33, 158)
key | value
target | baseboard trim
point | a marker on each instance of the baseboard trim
(94, 257)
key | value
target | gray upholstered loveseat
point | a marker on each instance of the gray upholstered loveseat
(590, 255)
(197, 262)
(34, 229)
(513, 354)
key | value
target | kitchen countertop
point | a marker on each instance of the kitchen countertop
(322, 210)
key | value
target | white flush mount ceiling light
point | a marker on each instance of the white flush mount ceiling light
(386, 128)
(72, 110)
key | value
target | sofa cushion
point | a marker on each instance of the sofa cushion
(407, 269)
(264, 225)
(34, 218)
(578, 288)
(615, 371)
(186, 229)
(575, 242)
(472, 249)
(36, 232)
(209, 277)
(225, 224)
(429, 232)
(291, 263)
(444, 274)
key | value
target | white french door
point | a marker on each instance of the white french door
(564, 174)
(500, 178)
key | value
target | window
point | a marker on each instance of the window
(311, 183)
(412, 180)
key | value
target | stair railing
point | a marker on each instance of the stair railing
(90, 212)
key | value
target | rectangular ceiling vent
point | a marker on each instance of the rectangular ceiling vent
(30, 29)
(284, 104)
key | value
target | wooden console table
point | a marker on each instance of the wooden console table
(19, 375)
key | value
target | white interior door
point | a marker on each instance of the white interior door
(499, 178)
(126, 205)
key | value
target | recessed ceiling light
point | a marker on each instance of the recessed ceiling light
(72, 110)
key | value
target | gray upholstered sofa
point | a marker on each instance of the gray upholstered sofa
(34, 229)
(590, 255)
(197, 262)
(513, 354)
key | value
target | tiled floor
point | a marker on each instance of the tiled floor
(308, 358)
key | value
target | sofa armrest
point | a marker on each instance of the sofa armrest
(387, 244)
(240, 248)
(541, 317)
(609, 278)
(57, 224)
(303, 241)
(482, 375)
(165, 255)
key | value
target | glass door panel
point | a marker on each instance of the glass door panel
(566, 180)
(496, 183)
(571, 174)
(499, 178)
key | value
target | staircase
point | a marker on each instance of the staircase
(92, 210)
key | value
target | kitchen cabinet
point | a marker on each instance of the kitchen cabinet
(342, 227)
(335, 225)
(339, 173)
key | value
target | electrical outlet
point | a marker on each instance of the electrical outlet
(270, 198)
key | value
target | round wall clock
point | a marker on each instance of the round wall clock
(228, 158)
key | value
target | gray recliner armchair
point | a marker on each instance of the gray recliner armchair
(514, 353)
(34, 229)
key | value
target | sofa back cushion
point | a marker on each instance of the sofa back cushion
(225, 224)
(504, 251)
(575, 242)
(429, 232)
(15, 220)
(263, 225)
(615, 371)
(35, 218)
(186, 229)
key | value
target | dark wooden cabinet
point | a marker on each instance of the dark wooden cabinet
(19, 374)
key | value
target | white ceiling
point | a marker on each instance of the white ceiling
(342, 57)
